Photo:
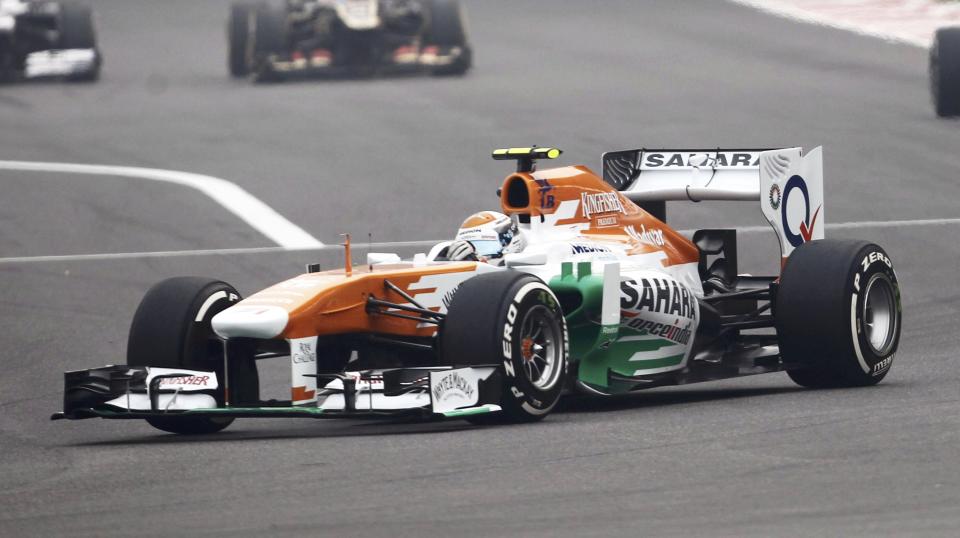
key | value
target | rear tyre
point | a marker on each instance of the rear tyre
(270, 38)
(238, 33)
(448, 28)
(77, 32)
(838, 314)
(945, 72)
(171, 329)
(513, 320)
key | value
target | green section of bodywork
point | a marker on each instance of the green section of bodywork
(601, 350)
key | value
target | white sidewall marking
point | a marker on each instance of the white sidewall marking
(208, 303)
(234, 199)
(856, 335)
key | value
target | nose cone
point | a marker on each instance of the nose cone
(250, 322)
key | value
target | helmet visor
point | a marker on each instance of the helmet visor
(486, 247)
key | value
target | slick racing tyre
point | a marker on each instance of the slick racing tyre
(270, 38)
(838, 314)
(513, 320)
(238, 32)
(448, 28)
(945, 72)
(77, 32)
(171, 329)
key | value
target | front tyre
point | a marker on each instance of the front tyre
(838, 314)
(171, 329)
(511, 319)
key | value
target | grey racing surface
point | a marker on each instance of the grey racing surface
(407, 159)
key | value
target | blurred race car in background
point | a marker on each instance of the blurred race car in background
(601, 297)
(945, 72)
(47, 39)
(274, 39)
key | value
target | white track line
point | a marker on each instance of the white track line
(234, 199)
(402, 244)
(904, 21)
(357, 247)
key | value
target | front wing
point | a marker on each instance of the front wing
(131, 392)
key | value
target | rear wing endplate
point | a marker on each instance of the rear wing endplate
(787, 183)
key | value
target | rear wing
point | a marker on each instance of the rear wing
(787, 183)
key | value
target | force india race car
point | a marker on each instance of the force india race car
(274, 39)
(47, 39)
(604, 299)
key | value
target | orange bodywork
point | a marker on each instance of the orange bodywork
(542, 194)
(335, 302)
(331, 302)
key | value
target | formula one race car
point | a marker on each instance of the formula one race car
(945, 72)
(602, 299)
(274, 39)
(47, 39)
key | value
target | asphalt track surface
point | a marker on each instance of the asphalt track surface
(407, 158)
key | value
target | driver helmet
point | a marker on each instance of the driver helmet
(489, 232)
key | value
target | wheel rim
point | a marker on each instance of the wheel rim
(880, 314)
(540, 345)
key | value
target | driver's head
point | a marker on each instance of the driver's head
(488, 231)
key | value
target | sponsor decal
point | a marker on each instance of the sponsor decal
(303, 353)
(547, 200)
(809, 223)
(674, 333)
(775, 196)
(603, 202)
(201, 380)
(453, 386)
(653, 236)
(662, 296)
(724, 159)
(587, 249)
(602, 222)
(448, 297)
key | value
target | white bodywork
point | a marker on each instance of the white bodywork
(185, 384)
(55, 63)
(793, 207)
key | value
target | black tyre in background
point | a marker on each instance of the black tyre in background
(77, 32)
(270, 37)
(238, 32)
(448, 28)
(511, 320)
(945, 72)
(838, 314)
(171, 329)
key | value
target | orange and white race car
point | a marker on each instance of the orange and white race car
(602, 297)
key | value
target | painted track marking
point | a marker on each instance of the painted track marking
(234, 199)
(402, 244)
(904, 21)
